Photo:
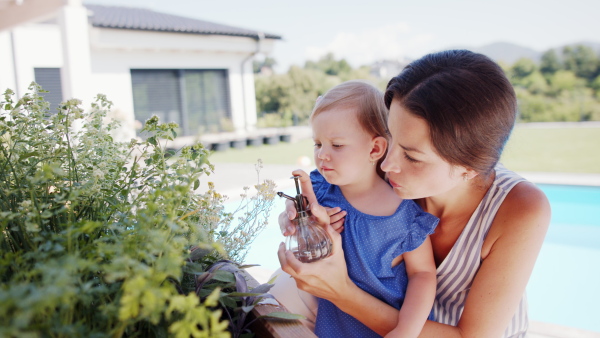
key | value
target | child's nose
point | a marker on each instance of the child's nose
(323, 154)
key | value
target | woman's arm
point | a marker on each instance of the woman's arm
(509, 254)
(420, 293)
(328, 279)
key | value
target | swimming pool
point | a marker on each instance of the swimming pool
(563, 288)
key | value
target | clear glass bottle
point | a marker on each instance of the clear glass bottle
(310, 242)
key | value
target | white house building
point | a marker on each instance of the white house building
(193, 72)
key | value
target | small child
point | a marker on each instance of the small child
(385, 239)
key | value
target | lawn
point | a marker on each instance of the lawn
(543, 149)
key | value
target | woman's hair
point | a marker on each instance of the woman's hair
(365, 100)
(467, 101)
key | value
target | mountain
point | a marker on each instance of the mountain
(505, 52)
(509, 52)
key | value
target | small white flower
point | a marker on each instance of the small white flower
(97, 173)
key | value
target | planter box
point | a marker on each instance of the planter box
(273, 139)
(238, 144)
(219, 146)
(272, 327)
(254, 141)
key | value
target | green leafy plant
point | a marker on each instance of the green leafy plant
(98, 236)
(236, 299)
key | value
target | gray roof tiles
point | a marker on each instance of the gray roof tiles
(145, 19)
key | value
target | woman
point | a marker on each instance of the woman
(450, 115)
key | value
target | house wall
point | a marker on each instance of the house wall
(35, 46)
(114, 52)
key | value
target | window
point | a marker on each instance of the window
(197, 100)
(49, 79)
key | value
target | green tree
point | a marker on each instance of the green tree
(329, 65)
(550, 63)
(581, 60)
(522, 68)
(535, 83)
(563, 80)
(268, 62)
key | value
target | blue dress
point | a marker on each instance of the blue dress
(370, 244)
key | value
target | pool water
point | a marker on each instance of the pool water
(563, 288)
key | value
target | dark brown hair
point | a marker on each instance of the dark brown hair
(366, 102)
(467, 101)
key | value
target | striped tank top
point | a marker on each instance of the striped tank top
(455, 274)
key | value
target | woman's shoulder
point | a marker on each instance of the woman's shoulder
(524, 215)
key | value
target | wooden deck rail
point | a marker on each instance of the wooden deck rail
(272, 327)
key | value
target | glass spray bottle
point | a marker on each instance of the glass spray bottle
(310, 242)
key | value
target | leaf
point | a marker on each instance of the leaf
(196, 184)
(244, 294)
(193, 268)
(283, 315)
(247, 308)
(152, 140)
(263, 288)
(27, 155)
(224, 276)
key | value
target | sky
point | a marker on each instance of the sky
(363, 32)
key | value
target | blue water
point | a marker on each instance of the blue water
(563, 288)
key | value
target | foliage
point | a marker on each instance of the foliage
(561, 88)
(283, 98)
(96, 234)
(236, 298)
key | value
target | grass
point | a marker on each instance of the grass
(544, 149)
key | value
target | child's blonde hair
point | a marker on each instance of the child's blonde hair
(365, 100)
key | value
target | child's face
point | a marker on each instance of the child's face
(342, 147)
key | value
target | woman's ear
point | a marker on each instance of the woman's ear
(471, 174)
(378, 148)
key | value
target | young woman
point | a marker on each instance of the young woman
(450, 115)
(385, 241)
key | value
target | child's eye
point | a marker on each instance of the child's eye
(317, 145)
(410, 159)
(336, 145)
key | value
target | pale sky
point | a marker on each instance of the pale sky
(367, 31)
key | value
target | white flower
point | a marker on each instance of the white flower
(97, 173)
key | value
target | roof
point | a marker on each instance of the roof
(149, 20)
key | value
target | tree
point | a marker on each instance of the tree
(329, 65)
(550, 63)
(268, 62)
(522, 68)
(581, 60)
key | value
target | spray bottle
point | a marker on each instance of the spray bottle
(310, 242)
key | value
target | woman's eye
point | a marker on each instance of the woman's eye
(336, 145)
(317, 145)
(410, 159)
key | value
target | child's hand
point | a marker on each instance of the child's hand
(336, 217)
(319, 212)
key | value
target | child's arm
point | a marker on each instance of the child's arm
(420, 293)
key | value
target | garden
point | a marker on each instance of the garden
(108, 239)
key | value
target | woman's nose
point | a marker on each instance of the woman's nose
(389, 165)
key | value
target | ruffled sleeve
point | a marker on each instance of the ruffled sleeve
(320, 185)
(422, 225)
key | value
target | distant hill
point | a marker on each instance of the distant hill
(509, 52)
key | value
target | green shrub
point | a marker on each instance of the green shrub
(96, 234)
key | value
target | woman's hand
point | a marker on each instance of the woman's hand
(326, 278)
(334, 216)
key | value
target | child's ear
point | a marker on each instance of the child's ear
(378, 148)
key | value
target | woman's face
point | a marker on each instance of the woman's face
(413, 167)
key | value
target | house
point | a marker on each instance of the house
(193, 72)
